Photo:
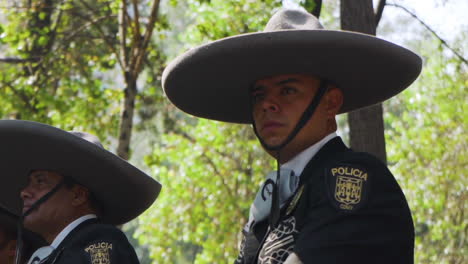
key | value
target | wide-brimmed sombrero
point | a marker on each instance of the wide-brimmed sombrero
(122, 190)
(213, 80)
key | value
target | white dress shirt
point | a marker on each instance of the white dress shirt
(298, 163)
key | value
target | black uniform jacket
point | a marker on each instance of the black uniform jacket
(348, 208)
(94, 243)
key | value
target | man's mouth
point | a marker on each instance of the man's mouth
(270, 125)
(26, 208)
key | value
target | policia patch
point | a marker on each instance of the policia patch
(347, 186)
(99, 252)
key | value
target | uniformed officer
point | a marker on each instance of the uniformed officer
(9, 239)
(326, 203)
(73, 191)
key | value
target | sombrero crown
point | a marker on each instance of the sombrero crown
(212, 81)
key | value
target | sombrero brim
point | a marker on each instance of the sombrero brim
(213, 80)
(122, 190)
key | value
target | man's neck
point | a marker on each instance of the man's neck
(55, 238)
(53, 232)
(293, 149)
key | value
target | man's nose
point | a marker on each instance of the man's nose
(269, 103)
(25, 193)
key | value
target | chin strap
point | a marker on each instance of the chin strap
(274, 217)
(20, 227)
(19, 240)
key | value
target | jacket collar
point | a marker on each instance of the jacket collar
(324, 156)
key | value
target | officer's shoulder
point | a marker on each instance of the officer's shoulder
(361, 159)
(350, 177)
(100, 231)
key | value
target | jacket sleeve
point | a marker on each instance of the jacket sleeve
(356, 213)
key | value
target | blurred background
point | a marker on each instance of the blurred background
(95, 66)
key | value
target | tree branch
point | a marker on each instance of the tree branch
(29, 5)
(135, 27)
(210, 161)
(123, 35)
(53, 33)
(217, 173)
(87, 25)
(23, 97)
(137, 18)
(104, 36)
(317, 8)
(379, 12)
(18, 60)
(140, 53)
(431, 30)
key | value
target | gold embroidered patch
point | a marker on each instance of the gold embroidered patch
(99, 252)
(348, 185)
(348, 191)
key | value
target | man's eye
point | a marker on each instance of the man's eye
(41, 179)
(288, 90)
(257, 97)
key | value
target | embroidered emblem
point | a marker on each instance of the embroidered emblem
(347, 186)
(99, 252)
(268, 187)
(279, 243)
(348, 190)
(295, 200)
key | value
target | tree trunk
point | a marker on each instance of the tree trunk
(313, 6)
(365, 125)
(132, 62)
(126, 118)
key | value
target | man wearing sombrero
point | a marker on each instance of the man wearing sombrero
(326, 203)
(73, 192)
(9, 239)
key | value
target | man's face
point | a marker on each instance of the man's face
(278, 104)
(51, 212)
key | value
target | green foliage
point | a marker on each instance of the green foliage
(62, 83)
(308, 5)
(222, 18)
(427, 142)
(209, 172)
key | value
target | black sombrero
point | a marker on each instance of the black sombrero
(122, 190)
(213, 80)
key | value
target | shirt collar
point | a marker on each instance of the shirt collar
(298, 163)
(61, 236)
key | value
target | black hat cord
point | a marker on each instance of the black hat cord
(19, 240)
(274, 216)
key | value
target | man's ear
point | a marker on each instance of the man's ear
(11, 248)
(80, 195)
(334, 98)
